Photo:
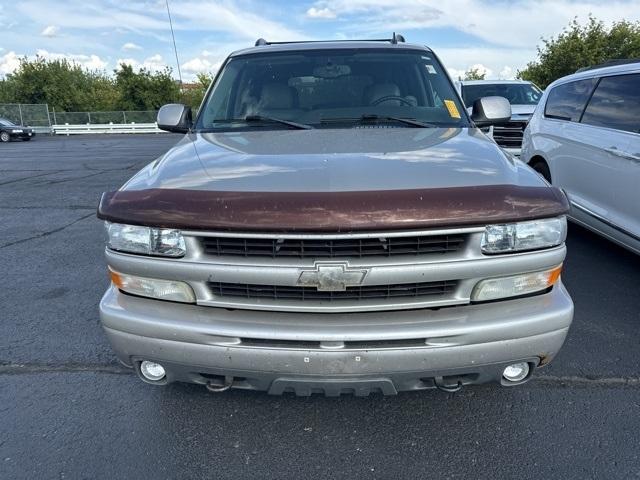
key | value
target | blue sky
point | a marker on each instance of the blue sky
(497, 36)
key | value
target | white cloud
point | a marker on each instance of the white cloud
(200, 65)
(314, 12)
(90, 62)
(495, 59)
(131, 46)
(88, 15)
(456, 74)
(506, 73)
(153, 63)
(8, 63)
(150, 18)
(481, 69)
(50, 31)
(516, 24)
(239, 22)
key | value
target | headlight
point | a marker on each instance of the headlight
(145, 240)
(517, 237)
(16, 131)
(153, 287)
(515, 285)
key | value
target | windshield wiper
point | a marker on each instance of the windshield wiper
(262, 118)
(373, 117)
(256, 119)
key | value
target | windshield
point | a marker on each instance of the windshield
(516, 93)
(332, 89)
(6, 123)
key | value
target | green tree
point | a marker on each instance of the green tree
(145, 90)
(64, 85)
(580, 46)
(474, 74)
(192, 94)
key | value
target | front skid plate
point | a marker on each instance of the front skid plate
(332, 387)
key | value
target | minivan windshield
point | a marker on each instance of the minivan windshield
(338, 88)
(7, 123)
(516, 93)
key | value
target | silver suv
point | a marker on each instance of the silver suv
(523, 97)
(333, 221)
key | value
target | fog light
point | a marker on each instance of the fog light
(152, 371)
(516, 372)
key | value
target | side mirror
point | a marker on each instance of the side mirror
(174, 117)
(490, 111)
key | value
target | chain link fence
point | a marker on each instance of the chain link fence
(42, 119)
(34, 115)
(102, 118)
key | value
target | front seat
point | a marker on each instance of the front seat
(278, 96)
(375, 92)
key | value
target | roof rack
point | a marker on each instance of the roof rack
(610, 63)
(395, 39)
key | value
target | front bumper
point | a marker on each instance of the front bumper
(23, 134)
(337, 353)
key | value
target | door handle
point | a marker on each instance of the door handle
(623, 154)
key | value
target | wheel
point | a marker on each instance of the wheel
(26, 139)
(4, 137)
(543, 169)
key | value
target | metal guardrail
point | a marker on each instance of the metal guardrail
(103, 118)
(67, 129)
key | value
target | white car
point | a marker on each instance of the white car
(523, 97)
(585, 139)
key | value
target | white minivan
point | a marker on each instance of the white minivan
(584, 137)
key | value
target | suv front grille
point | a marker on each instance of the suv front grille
(509, 135)
(366, 292)
(332, 247)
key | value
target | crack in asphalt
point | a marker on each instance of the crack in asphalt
(54, 182)
(16, 180)
(589, 380)
(7, 368)
(27, 368)
(50, 207)
(47, 233)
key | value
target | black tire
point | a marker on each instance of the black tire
(543, 169)
(5, 137)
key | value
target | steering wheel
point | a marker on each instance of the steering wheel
(387, 98)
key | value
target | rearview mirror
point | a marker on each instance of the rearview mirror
(490, 111)
(174, 117)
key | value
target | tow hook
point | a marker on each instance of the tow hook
(215, 388)
(441, 385)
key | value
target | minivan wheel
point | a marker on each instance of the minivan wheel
(543, 169)
(4, 137)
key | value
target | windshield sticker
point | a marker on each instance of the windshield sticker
(453, 110)
(430, 69)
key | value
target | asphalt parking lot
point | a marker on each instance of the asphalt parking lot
(68, 410)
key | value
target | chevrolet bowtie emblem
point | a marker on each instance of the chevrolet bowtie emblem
(334, 277)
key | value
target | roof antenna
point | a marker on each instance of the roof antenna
(397, 38)
(175, 49)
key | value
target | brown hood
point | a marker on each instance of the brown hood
(333, 180)
(334, 211)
